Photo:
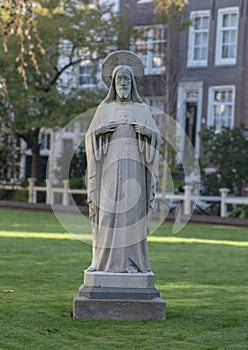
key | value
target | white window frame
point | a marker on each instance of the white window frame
(219, 36)
(149, 69)
(191, 62)
(212, 104)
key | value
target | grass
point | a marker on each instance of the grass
(201, 272)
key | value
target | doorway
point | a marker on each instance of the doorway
(189, 111)
(191, 121)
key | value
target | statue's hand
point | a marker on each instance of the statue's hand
(110, 127)
(143, 130)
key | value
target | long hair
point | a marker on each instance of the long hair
(111, 96)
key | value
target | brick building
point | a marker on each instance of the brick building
(148, 42)
(210, 62)
(213, 67)
(208, 66)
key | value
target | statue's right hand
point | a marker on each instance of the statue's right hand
(110, 127)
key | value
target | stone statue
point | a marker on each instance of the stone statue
(122, 146)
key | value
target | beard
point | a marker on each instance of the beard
(123, 93)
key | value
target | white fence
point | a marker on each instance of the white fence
(49, 191)
(187, 198)
(203, 202)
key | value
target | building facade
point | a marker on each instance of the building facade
(148, 41)
(208, 66)
(212, 85)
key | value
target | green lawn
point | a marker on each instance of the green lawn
(201, 272)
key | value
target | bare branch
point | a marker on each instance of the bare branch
(60, 71)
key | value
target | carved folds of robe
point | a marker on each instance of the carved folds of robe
(122, 171)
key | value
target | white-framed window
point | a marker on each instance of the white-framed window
(87, 73)
(221, 107)
(198, 39)
(227, 36)
(45, 141)
(86, 70)
(149, 45)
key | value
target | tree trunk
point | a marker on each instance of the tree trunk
(36, 163)
(167, 112)
(33, 143)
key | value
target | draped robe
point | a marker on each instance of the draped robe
(122, 172)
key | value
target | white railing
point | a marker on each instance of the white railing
(49, 191)
(65, 191)
(187, 198)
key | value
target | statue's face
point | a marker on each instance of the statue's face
(123, 83)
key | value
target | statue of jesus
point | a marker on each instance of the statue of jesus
(122, 145)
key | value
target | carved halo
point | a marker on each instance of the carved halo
(122, 57)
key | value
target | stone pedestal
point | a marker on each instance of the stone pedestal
(119, 296)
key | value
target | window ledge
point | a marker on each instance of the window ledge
(144, 2)
(197, 64)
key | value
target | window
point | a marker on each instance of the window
(86, 73)
(198, 39)
(221, 107)
(156, 102)
(86, 70)
(227, 36)
(149, 46)
(45, 141)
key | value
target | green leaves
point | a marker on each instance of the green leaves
(17, 18)
(170, 9)
(63, 28)
(227, 153)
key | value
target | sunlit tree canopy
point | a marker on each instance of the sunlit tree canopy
(17, 18)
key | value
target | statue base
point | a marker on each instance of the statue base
(119, 296)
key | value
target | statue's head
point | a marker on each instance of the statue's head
(123, 86)
(123, 83)
(121, 71)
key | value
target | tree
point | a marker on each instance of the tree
(9, 157)
(17, 19)
(227, 153)
(65, 27)
(170, 12)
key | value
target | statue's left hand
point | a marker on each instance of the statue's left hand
(143, 130)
